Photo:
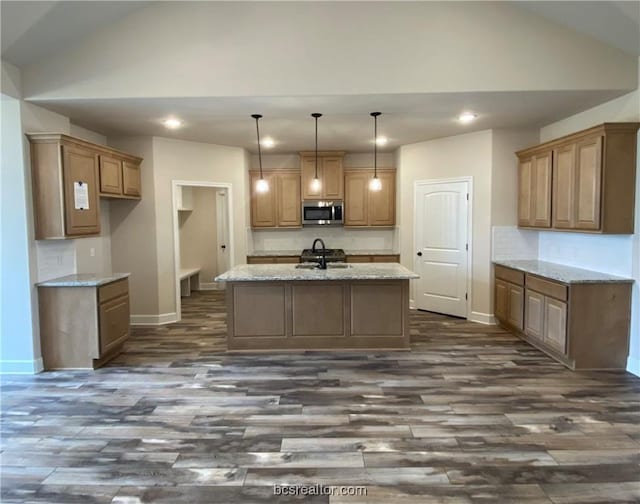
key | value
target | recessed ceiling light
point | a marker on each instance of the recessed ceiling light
(381, 140)
(467, 117)
(267, 142)
(172, 123)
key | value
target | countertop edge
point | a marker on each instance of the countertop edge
(69, 282)
(531, 271)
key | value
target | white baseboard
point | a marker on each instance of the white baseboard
(482, 318)
(21, 366)
(154, 320)
(633, 365)
(211, 286)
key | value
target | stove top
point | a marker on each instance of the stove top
(332, 255)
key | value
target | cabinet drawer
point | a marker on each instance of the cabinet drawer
(358, 258)
(260, 260)
(113, 290)
(510, 275)
(385, 258)
(114, 323)
(547, 287)
(287, 259)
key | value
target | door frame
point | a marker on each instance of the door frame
(469, 180)
(176, 185)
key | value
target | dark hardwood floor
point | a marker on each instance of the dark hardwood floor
(471, 414)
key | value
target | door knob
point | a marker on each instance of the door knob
(419, 254)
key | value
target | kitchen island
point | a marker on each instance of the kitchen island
(273, 307)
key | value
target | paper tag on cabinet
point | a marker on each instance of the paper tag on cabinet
(81, 195)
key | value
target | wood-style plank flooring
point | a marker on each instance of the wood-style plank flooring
(471, 414)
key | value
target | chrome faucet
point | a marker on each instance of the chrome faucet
(323, 260)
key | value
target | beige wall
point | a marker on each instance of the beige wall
(133, 233)
(192, 161)
(197, 231)
(459, 156)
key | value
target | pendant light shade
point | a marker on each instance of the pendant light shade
(262, 185)
(316, 185)
(375, 184)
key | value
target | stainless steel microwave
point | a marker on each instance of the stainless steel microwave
(322, 213)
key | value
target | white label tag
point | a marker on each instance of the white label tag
(81, 195)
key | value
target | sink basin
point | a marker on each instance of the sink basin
(314, 266)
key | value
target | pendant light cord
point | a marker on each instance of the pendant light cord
(375, 143)
(257, 118)
(316, 115)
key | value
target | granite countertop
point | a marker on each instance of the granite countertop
(274, 253)
(267, 272)
(371, 252)
(562, 273)
(83, 280)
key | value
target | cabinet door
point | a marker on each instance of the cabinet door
(525, 196)
(131, 181)
(534, 314)
(516, 306)
(541, 192)
(564, 183)
(332, 178)
(588, 183)
(288, 199)
(308, 173)
(263, 205)
(382, 203)
(555, 325)
(80, 174)
(501, 300)
(110, 175)
(356, 201)
(114, 323)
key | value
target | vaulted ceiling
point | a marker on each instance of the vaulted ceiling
(121, 67)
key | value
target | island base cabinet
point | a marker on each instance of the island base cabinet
(318, 315)
(83, 327)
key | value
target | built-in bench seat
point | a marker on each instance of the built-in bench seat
(189, 280)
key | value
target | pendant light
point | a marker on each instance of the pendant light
(375, 184)
(316, 185)
(262, 185)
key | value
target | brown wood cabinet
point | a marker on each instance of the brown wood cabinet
(83, 327)
(534, 204)
(367, 258)
(280, 206)
(363, 207)
(330, 173)
(509, 298)
(589, 177)
(582, 325)
(68, 177)
(273, 259)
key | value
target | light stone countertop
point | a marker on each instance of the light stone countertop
(274, 253)
(562, 273)
(289, 272)
(83, 280)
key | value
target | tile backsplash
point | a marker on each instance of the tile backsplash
(509, 242)
(334, 237)
(55, 258)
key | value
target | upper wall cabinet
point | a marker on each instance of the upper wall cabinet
(582, 182)
(363, 207)
(280, 206)
(68, 176)
(330, 173)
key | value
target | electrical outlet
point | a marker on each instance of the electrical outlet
(92, 252)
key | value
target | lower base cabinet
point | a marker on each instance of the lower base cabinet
(83, 327)
(582, 325)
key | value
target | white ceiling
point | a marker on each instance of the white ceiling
(33, 31)
(346, 123)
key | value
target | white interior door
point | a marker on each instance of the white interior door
(222, 230)
(442, 246)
